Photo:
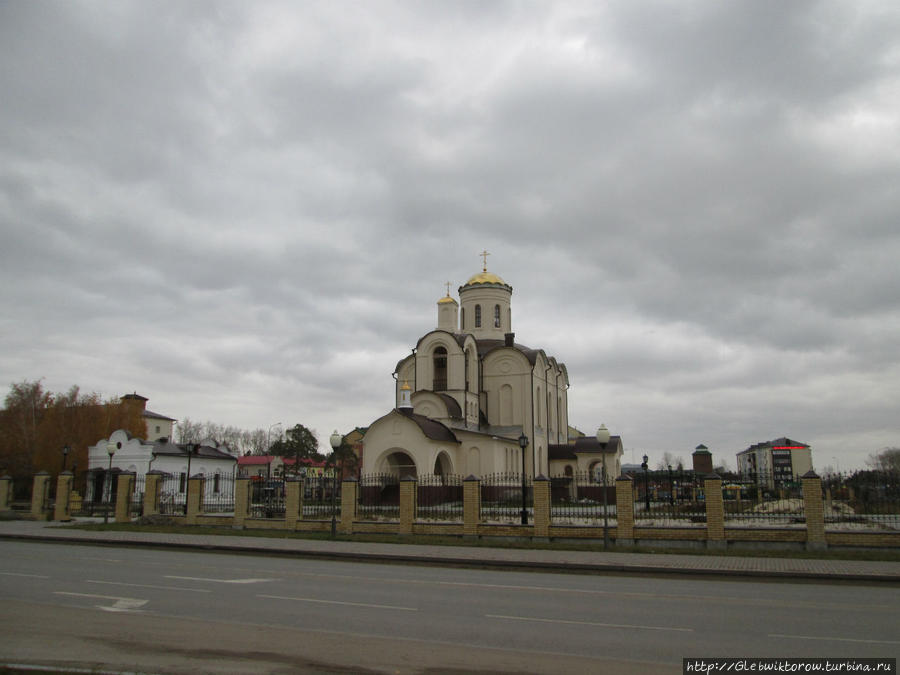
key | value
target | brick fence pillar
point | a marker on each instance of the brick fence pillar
(6, 493)
(152, 488)
(471, 506)
(715, 512)
(542, 507)
(196, 487)
(241, 501)
(815, 511)
(63, 492)
(409, 487)
(624, 511)
(292, 504)
(40, 496)
(123, 497)
(349, 500)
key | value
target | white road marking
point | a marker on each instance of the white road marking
(120, 604)
(18, 574)
(763, 602)
(338, 602)
(834, 639)
(587, 623)
(163, 588)
(221, 581)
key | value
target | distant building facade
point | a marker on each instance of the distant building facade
(775, 462)
(158, 426)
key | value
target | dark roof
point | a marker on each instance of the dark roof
(784, 440)
(431, 428)
(175, 449)
(157, 416)
(453, 408)
(135, 396)
(590, 444)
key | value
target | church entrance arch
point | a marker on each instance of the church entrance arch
(398, 463)
(442, 464)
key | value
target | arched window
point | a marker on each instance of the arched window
(466, 366)
(440, 369)
(496, 316)
(477, 316)
(462, 318)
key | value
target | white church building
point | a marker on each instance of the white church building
(469, 392)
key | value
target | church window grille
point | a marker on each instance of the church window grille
(477, 316)
(496, 316)
(440, 369)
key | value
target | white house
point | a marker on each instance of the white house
(134, 455)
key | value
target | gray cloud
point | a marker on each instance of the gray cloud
(247, 211)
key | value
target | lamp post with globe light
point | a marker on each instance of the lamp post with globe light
(645, 467)
(110, 450)
(523, 443)
(336, 440)
(603, 439)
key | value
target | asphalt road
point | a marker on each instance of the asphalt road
(167, 611)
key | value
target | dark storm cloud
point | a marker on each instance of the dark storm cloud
(247, 211)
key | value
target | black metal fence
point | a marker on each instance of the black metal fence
(867, 500)
(267, 498)
(218, 493)
(171, 494)
(378, 497)
(136, 502)
(501, 498)
(668, 498)
(101, 490)
(319, 493)
(440, 498)
(763, 499)
(579, 499)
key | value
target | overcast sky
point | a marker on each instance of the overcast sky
(247, 211)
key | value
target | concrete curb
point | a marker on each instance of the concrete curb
(477, 563)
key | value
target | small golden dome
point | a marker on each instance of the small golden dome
(485, 278)
(446, 299)
(405, 386)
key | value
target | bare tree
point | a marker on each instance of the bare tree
(886, 459)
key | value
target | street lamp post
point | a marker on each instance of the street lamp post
(65, 456)
(671, 488)
(644, 466)
(523, 443)
(111, 450)
(191, 449)
(603, 439)
(336, 440)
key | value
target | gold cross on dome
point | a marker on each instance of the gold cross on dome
(448, 289)
(484, 254)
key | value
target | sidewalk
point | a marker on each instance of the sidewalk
(476, 556)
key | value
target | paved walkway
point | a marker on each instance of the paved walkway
(476, 556)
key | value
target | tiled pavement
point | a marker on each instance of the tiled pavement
(478, 556)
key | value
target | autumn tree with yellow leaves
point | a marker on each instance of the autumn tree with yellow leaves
(35, 426)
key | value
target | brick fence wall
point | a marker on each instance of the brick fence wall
(714, 533)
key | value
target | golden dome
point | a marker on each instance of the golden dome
(446, 299)
(485, 278)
